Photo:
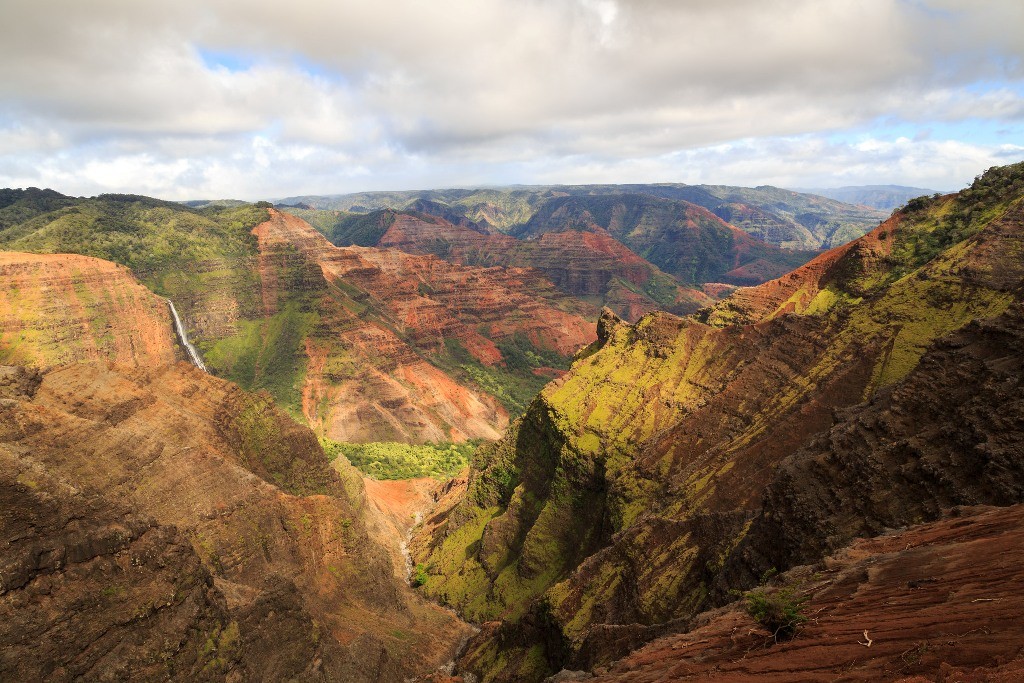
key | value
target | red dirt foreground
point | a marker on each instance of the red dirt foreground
(936, 602)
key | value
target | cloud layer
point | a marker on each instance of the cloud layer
(262, 99)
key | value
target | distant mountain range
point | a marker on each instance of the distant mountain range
(781, 217)
(883, 197)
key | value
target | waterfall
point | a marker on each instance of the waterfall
(193, 354)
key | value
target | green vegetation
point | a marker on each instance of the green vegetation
(941, 223)
(515, 384)
(18, 206)
(780, 611)
(272, 447)
(220, 649)
(151, 237)
(389, 460)
(267, 354)
(346, 229)
(419, 576)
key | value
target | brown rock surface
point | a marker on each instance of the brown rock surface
(939, 602)
(91, 590)
(429, 298)
(273, 559)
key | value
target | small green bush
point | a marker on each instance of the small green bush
(780, 611)
(419, 576)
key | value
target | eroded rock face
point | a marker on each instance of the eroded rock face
(89, 589)
(62, 308)
(383, 315)
(18, 382)
(587, 262)
(162, 523)
(949, 435)
(939, 601)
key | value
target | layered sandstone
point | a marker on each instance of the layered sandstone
(384, 315)
(60, 308)
(588, 263)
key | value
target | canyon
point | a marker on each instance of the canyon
(664, 469)
(364, 344)
(841, 443)
(586, 263)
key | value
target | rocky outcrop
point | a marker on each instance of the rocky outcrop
(937, 601)
(162, 523)
(61, 308)
(89, 589)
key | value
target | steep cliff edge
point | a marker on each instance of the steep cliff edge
(162, 523)
(623, 499)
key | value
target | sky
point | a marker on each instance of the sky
(255, 100)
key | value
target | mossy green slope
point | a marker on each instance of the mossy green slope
(162, 242)
(618, 495)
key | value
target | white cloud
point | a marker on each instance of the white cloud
(506, 90)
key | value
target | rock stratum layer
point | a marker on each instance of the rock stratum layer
(60, 308)
(662, 471)
(587, 263)
(390, 336)
(163, 524)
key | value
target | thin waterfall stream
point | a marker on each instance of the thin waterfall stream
(193, 353)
